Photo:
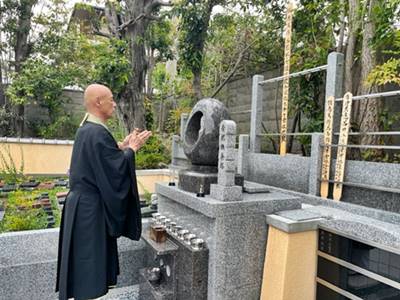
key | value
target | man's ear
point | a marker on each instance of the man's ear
(98, 101)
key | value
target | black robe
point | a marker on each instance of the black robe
(102, 204)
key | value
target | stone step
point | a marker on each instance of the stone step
(130, 292)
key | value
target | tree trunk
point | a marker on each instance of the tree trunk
(136, 35)
(197, 85)
(2, 91)
(150, 69)
(21, 52)
(342, 26)
(354, 26)
(368, 118)
(199, 47)
(137, 15)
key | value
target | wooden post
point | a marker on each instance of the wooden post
(326, 154)
(342, 150)
(286, 73)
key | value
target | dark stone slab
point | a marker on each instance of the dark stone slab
(201, 135)
(149, 291)
(9, 188)
(61, 182)
(29, 184)
(191, 272)
(147, 211)
(191, 181)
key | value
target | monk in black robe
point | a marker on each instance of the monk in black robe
(102, 205)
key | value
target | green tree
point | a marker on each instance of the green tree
(16, 24)
(130, 21)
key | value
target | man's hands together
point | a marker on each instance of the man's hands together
(135, 140)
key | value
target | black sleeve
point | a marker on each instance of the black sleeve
(116, 180)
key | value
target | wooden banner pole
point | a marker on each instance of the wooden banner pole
(342, 150)
(286, 73)
(326, 154)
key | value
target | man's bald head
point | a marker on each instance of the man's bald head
(98, 100)
(95, 92)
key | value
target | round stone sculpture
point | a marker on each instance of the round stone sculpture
(201, 135)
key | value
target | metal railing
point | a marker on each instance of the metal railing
(296, 74)
(365, 186)
(373, 96)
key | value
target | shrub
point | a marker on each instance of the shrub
(17, 219)
(153, 154)
(8, 169)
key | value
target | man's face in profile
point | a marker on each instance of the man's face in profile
(107, 105)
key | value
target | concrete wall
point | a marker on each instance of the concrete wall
(52, 157)
(147, 178)
(39, 158)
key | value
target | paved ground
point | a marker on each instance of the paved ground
(124, 293)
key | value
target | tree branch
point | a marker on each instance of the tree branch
(150, 7)
(112, 19)
(235, 67)
(100, 33)
(131, 22)
(153, 18)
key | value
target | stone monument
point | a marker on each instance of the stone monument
(201, 145)
(226, 190)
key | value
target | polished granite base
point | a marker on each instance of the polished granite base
(199, 180)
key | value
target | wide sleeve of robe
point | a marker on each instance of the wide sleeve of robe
(115, 175)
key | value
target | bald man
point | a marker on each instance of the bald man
(102, 205)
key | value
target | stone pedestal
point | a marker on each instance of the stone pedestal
(191, 180)
(235, 235)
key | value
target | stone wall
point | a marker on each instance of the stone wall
(28, 263)
(74, 106)
(380, 181)
(237, 97)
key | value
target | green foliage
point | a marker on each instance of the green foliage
(388, 119)
(146, 194)
(153, 154)
(385, 73)
(63, 127)
(116, 129)
(20, 215)
(111, 65)
(158, 37)
(7, 117)
(42, 83)
(9, 172)
(387, 42)
(193, 31)
(149, 115)
(174, 118)
(255, 38)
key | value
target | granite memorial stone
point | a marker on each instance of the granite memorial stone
(226, 190)
(201, 145)
(200, 140)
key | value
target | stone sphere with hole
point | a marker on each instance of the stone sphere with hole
(201, 135)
